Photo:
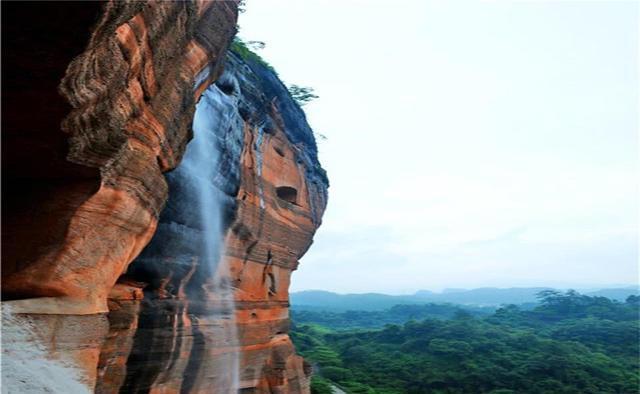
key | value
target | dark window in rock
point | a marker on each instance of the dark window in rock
(287, 193)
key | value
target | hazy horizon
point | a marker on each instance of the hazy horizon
(469, 144)
(446, 289)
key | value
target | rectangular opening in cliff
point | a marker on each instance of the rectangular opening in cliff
(288, 194)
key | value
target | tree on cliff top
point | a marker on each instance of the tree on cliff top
(302, 94)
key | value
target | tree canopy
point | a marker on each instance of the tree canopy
(302, 94)
(569, 343)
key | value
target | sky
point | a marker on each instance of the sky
(469, 144)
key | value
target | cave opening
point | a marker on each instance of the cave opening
(288, 194)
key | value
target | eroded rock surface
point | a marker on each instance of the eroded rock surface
(132, 97)
(103, 194)
(265, 146)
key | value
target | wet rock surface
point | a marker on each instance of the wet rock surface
(100, 225)
(265, 235)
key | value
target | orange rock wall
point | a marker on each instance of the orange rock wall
(261, 260)
(265, 235)
(131, 113)
(91, 198)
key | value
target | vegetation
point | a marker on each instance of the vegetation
(302, 94)
(570, 343)
(398, 314)
(245, 51)
(487, 296)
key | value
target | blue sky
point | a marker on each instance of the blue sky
(469, 144)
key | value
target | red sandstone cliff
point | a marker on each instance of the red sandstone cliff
(81, 204)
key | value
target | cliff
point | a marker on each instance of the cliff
(101, 243)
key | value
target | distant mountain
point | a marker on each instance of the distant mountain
(487, 296)
(448, 290)
(619, 294)
(325, 300)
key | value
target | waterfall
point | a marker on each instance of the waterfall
(187, 252)
(200, 168)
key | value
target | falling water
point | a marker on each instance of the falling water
(200, 167)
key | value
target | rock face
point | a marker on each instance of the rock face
(111, 233)
(132, 97)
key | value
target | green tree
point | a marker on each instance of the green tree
(569, 343)
(302, 94)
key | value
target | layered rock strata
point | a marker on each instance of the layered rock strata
(274, 194)
(132, 97)
(72, 227)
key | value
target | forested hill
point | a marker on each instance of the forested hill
(398, 314)
(569, 343)
(487, 296)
